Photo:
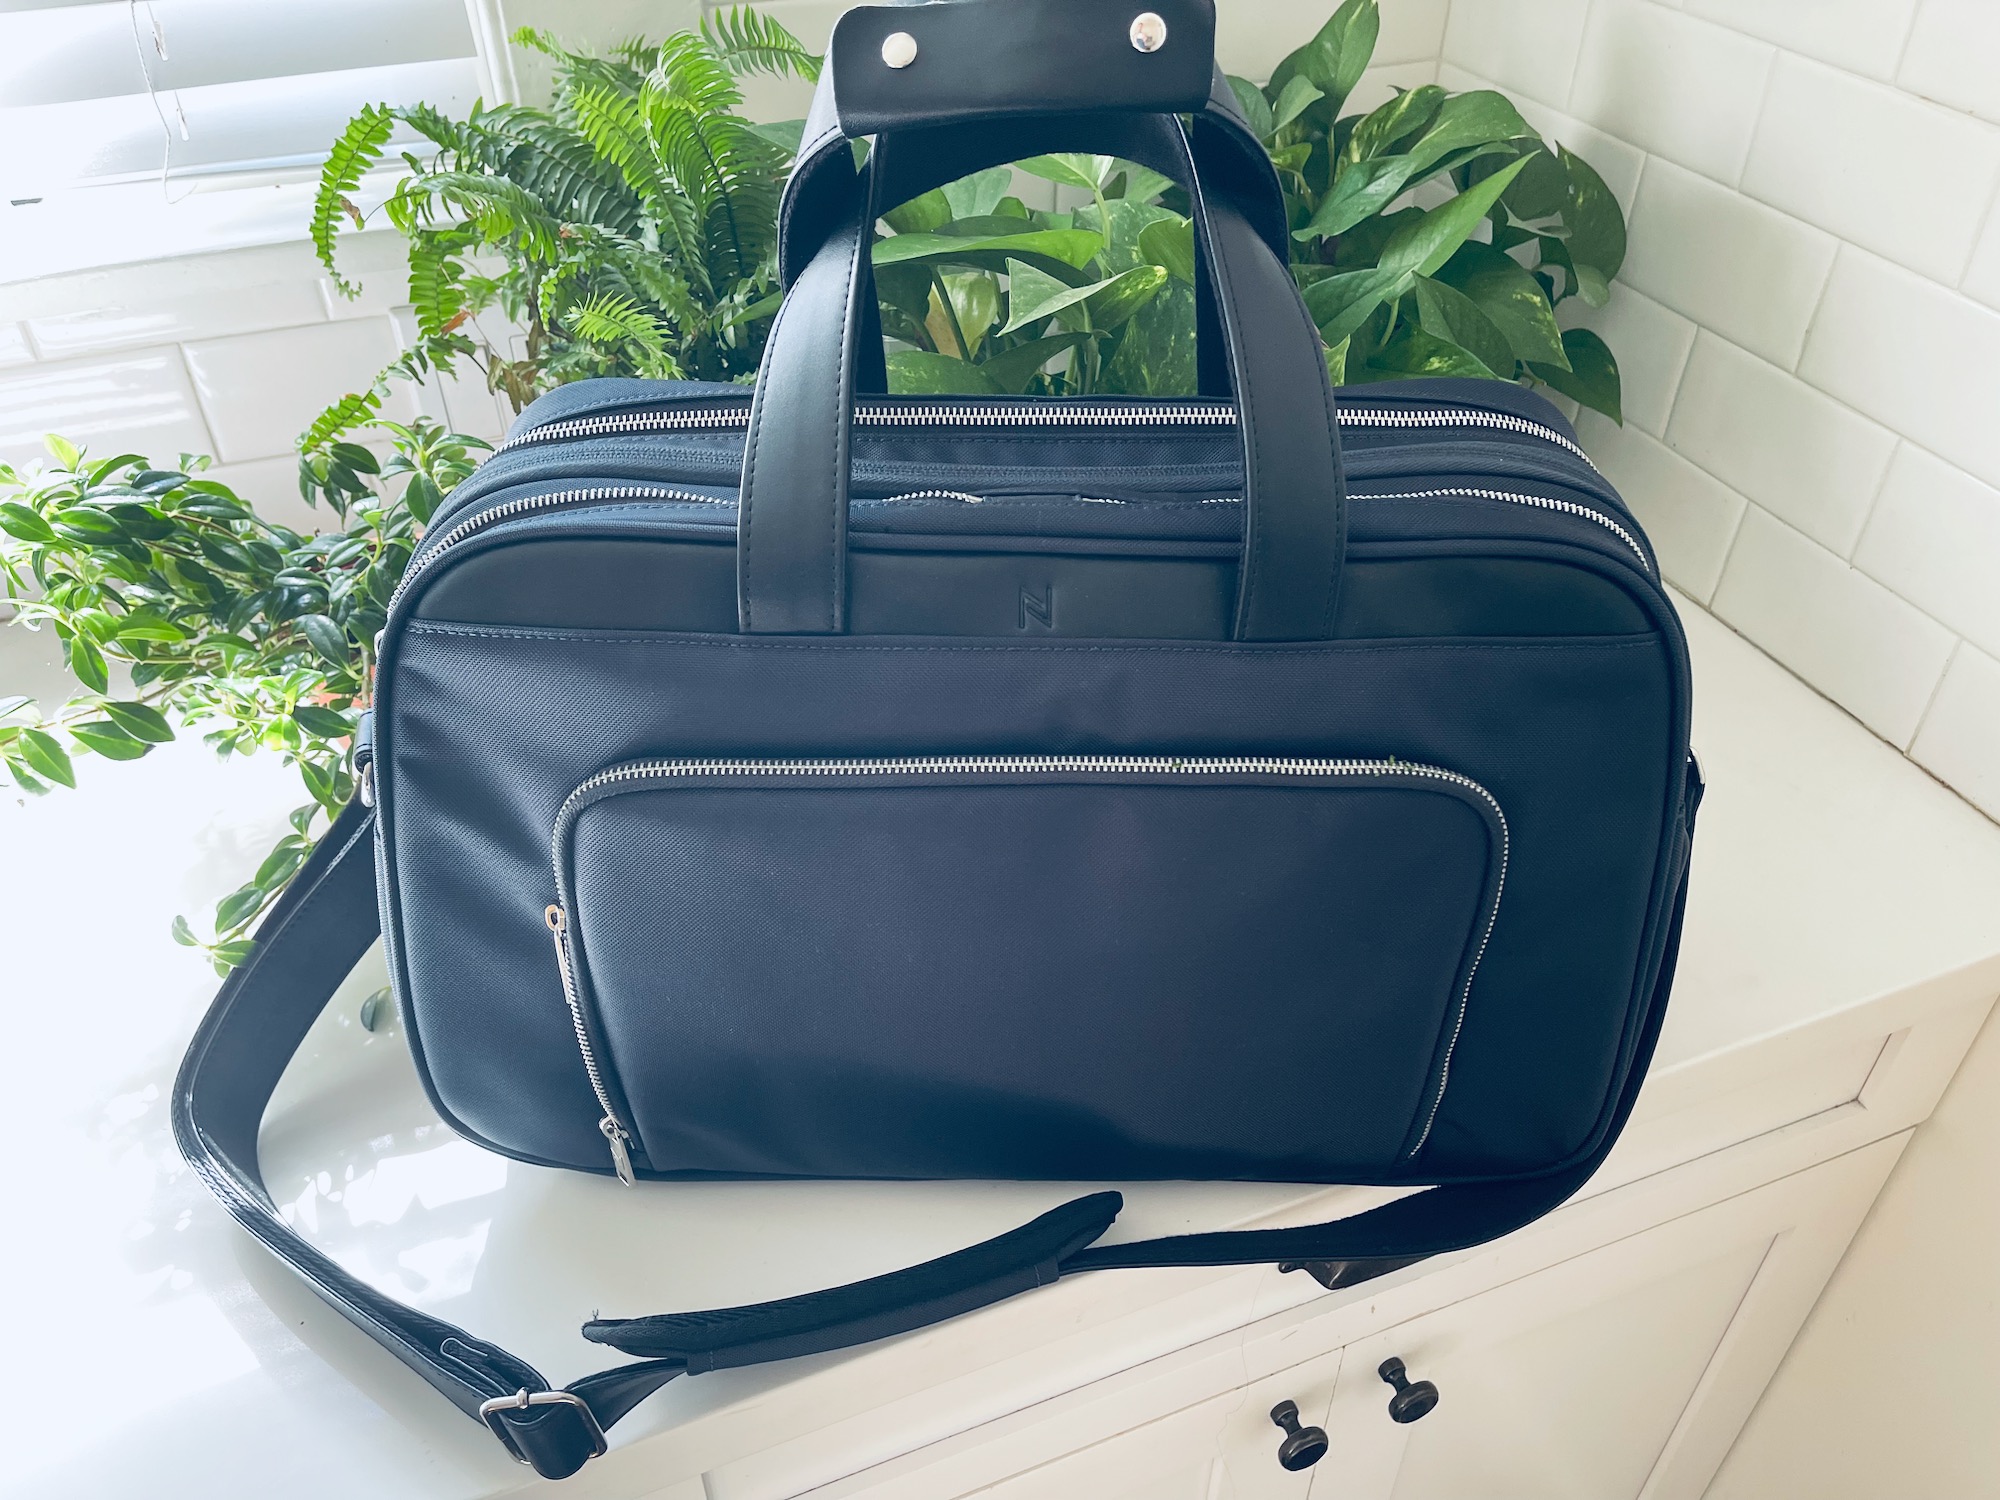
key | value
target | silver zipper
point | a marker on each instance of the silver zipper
(613, 1129)
(1516, 497)
(1082, 414)
(1165, 765)
(555, 500)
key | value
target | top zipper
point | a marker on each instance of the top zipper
(1063, 414)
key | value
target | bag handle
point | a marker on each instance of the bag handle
(792, 515)
(323, 924)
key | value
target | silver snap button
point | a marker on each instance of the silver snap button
(1149, 31)
(899, 49)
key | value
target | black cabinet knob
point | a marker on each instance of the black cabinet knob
(1303, 1446)
(1412, 1399)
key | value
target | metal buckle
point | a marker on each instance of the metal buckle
(489, 1413)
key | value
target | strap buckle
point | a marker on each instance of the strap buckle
(550, 1438)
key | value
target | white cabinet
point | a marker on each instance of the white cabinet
(1617, 1373)
(1622, 1373)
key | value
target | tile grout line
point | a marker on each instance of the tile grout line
(1958, 644)
(1986, 226)
(1590, 12)
(200, 406)
(1903, 47)
(1757, 122)
(1875, 504)
(1818, 307)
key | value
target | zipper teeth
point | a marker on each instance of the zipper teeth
(999, 416)
(675, 769)
(566, 966)
(552, 501)
(974, 765)
(561, 498)
(1471, 971)
(1518, 497)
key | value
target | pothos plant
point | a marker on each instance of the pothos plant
(1436, 234)
(630, 229)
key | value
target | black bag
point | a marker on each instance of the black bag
(805, 784)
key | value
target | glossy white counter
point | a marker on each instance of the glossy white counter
(151, 1349)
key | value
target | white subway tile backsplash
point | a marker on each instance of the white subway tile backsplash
(1982, 277)
(1689, 515)
(1934, 538)
(261, 390)
(1412, 30)
(139, 402)
(1733, 265)
(1650, 343)
(1913, 355)
(1799, 454)
(1862, 36)
(1250, 40)
(1614, 160)
(1526, 48)
(14, 348)
(1875, 655)
(171, 319)
(1954, 55)
(1959, 742)
(1673, 85)
(1893, 174)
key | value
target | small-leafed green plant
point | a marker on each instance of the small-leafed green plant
(179, 608)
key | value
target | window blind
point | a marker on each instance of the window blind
(114, 91)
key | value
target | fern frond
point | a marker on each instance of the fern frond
(499, 209)
(435, 294)
(557, 164)
(620, 73)
(346, 414)
(615, 321)
(693, 74)
(358, 148)
(747, 42)
(613, 125)
(434, 125)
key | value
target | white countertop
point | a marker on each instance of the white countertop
(151, 1348)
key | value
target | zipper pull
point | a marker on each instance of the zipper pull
(615, 1134)
(621, 1158)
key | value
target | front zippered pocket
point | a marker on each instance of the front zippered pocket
(1108, 966)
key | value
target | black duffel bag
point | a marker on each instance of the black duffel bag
(816, 783)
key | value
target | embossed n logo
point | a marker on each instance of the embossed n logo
(1040, 609)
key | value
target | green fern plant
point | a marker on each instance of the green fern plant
(630, 228)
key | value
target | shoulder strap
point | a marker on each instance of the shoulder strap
(323, 925)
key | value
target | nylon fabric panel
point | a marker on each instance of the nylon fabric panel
(936, 979)
(1577, 739)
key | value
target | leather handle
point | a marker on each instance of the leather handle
(792, 517)
(995, 59)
